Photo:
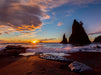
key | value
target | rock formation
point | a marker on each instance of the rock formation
(97, 39)
(12, 50)
(64, 41)
(79, 67)
(78, 36)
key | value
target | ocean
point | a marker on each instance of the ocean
(56, 48)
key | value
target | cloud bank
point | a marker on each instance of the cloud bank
(19, 16)
(26, 15)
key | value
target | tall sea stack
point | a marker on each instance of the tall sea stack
(64, 41)
(78, 36)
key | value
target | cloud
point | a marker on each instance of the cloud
(59, 24)
(67, 15)
(98, 32)
(48, 39)
(46, 17)
(0, 33)
(25, 15)
(98, 27)
(53, 13)
(25, 33)
(6, 29)
(1, 41)
(20, 16)
(45, 32)
(70, 11)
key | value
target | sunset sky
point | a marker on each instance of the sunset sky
(47, 20)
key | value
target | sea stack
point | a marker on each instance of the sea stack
(78, 36)
(64, 41)
(97, 39)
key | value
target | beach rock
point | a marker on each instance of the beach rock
(78, 36)
(56, 58)
(12, 50)
(15, 47)
(19, 48)
(64, 41)
(79, 67)
(97, 39)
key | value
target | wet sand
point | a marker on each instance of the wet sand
(92, 59)
(34, 65)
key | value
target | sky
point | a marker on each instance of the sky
(47, 20)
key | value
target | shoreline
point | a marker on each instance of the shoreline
(33, 65)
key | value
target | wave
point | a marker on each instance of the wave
(67, 49)
(57, 49)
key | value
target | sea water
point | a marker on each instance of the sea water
(55, 48)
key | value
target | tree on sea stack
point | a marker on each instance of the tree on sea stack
(64, 41)
(78, 36)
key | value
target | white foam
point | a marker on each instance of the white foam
(56, 58)
(57, 54)
(89, 48)
(27, 54)
(2, 48)
(59, 49)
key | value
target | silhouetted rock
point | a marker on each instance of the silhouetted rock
(12, 50)
(78, 36)
(97, 39)
(64, 41)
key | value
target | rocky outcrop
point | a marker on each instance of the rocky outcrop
(79, 67)
(12, 50)
(78, 36)
(64, 41)
(97, 39)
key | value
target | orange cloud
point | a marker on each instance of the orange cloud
(59, 24)
(6, 29)
(28, 28)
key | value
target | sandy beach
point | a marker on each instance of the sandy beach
(33, 65)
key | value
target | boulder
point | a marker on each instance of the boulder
(97, 39)
(79, 67)
(14, 47)
(64, 41)
(12, 50)
(78, 36)
(10, 53)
